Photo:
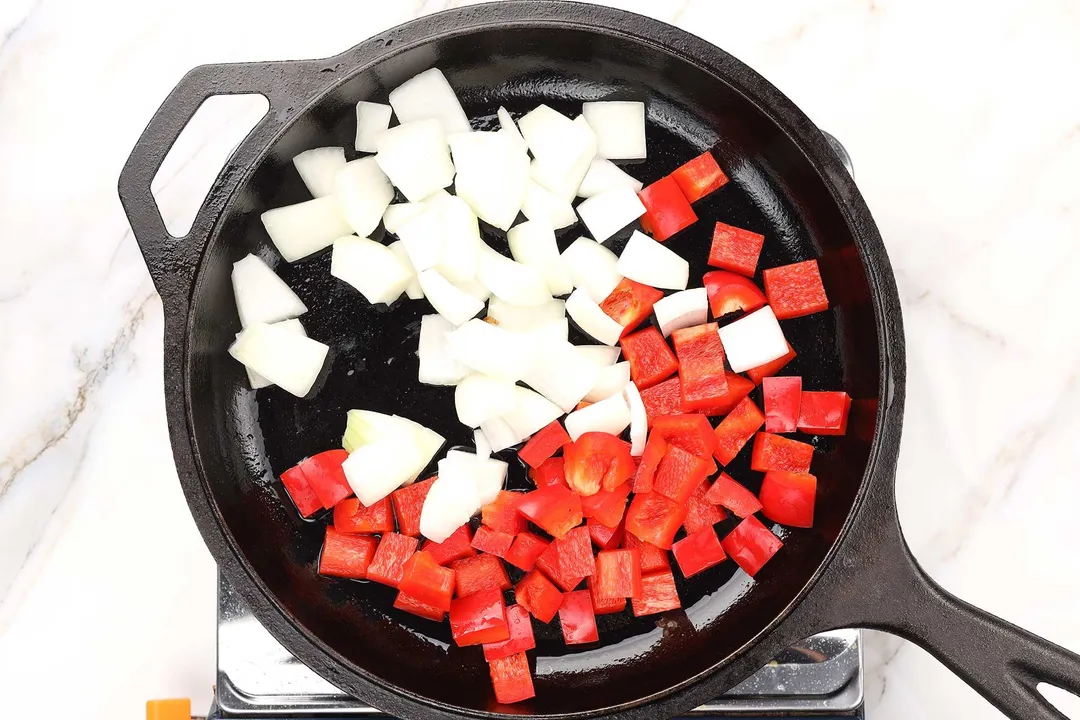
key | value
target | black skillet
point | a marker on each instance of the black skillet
(852, 570)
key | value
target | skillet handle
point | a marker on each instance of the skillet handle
(287, 86)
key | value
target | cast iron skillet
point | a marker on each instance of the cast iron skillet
(852, 569)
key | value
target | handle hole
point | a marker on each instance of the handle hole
(1063, 700)
(199, 154)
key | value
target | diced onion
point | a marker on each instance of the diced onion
(429, 96)
(451, 501)
(541, 204)
(753, 340)
(647, 261)
(639, 420)
(532, 243)
(564, 376)
(592, 268)
(563, 149)
(290, 361)
(550, 333)
(318, 167)
(293, 326)
(489, 473)
(415, 157)
(492, 173)
(619, 128)
(261, 296)
(461, 238)
(518, 318)
(437, 364)
(601, 356)
(479, 398)
(370, 267)
(512, 281)
(604, 175)
(305, 228)
(396, 216)
(530, 413)
(375, 470)
(364, 194)
(474, 288)
(371, 119)
(413, 289)
(483, 446)
(363, 427)
(591, 319)
(606, 213)
(451, 302)
(682, 309)
(423, 238)
(493, 351)
(609, 381)
(500, 434)
(507, 125)
(611, 415)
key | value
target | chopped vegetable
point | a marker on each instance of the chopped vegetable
(700, 512)
(591, 318)
(699, 177)
(603, 605)
(679, 474)
(610, 415)
(409, 604)
(647, 261)
(492, 541)
(773, 452)
(664, 398)
(738, 388)
(751, 545)
(555, 509)
(532, 243)
(730, 293)
(371, 119)
(551, 472)
(683, 309)
(609, 380)
(564, 376)
(346, 556)
(507, 124)
(461, 243)
(639, 417)
(604, 537)
(654, 518)
(698, 551)
(733, 496)
(651, 360)
(293, 326)
(350, 516)
(735, 249)
(736, 429)
(783, 396)
(701, 366)
(788, 498)
(531, 412)
(492, 351)
(667, 210)
(318, 168)
(525, 550)
(451, 500)
(416, 158)
(398, 215)
(753, 340)
(592, 268)
(325, 477)
(413, 291)
(364, 193)
(521, 635)
(768, 369)
(292, 362)
(542, 205)
(538, 595)
(479, 618)
(423, 238)
(563, 149)
(305, 228)
(604, 175)
(261, 296)
(428, 96)
(575, 554)
(512, 281)
(372, 268)
(655, 449)
(511, 679)
(550, 564)
(651, 557)
(377, 469)
(692, 433)
(630, 303)
(425, 580)
(608, 212)
(607, 506)
(577, 618)
(478, 398)
(795, 290)
(388, 563)
(438, 365)
(479, 572)
(619, 128)
(492, 175)
(824, 413)
(544, 444)
(618, 574)
(502, 513)
(365, 427)
(658, 594)
(455, 547)
(301, 492)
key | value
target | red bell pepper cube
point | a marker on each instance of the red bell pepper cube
(578, 619)
(788, 498)
(664, 398)
(511, 679)
(604, 537)
(651, 557)
(667, 211)
(551, 565)
(492, 541)
(795, 290)
(771, 368)
(427, 581)
(658, 594)
(650, 358)
(597, 461)
(679, 473)
(479, 572)
(408, 502)
(824, 413)
(738, 388)
(326, 478)
(301, 492)
(730, 293)
(550, 472)
(604, 605)
(350, 516)
(409, 604)
(576, 554)
(735, 249)
(730, 494)
(692, 433)
(783, 396)
(525, 550)
(773, 452)
(751, 545)
(701, 513)
(734, 430)
(346, 556)
(554, 509)
(479, 618)
(455, 547)
(699, 177)
(502, 514)
(521, 635)
(654, 519)
(618, 574)
(538, 595)
(655, 449)
(698, 551)
(701, 366)
(606, 507)
(388, 564)
(545, 443)
(630, 304)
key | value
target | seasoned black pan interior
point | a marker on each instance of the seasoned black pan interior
(245, 439)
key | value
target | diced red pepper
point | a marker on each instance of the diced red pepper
(734, 430)
(301, 492)
(655, 449)
(630, 304)
(595, 461)
(618, 573)
(325, 476)
(738, 387)
(578, 619)
(606, 507)
(692, 433)
(651, 557)
(545, 443)
(526, 548)
(425, 580)
(783, 396)
(346, 556)
(824, 413)
(699, 177)
(538, 595)
(730, 293)
(701, 513)
(735, 249)
(773, 452)
(650, 358)
(662, 399)
(388, 564)
(409, 604)
(701, 366)
(751, 545)
(698, 551)
(479, 618)
(788, 498)
(455, 547)
(555, 509)
(521, 635)
(658, 594)
(511, 679)
(492, 541)
(603, 605)
(479, 572)
(550, 472)
(730, 494)
(408, 502)
(605, 537)
(551, 565)
(502, 513)
(667, 211)
(654, 519)
(350, 516)
(679, 473)
(795, 290)
(771, 368)
(576, 554)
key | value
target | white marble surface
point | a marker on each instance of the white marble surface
(964, 123)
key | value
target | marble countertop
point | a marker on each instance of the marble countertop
(964, 124)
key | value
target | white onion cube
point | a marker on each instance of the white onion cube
(610, 211)
(605, 175)
(364, 193)
(681, 310)
(490, 350)
(397, 216)
(423, 238)
(611, 415)
(293, 326)
(451, 302)
(508, 126)
(483, 445)
(592, 268)
(371, 119)
(451, 501)
(370, 267)
(261, 296)
(429, 96)
(461, 238)
(591, 319)
(619, 128)
(532, 243)
(542, 205)
(530, 413)
(318, 168)
(519, 318)
(290, 361)
(305, 228)
(416, 158)
(609, 380)
(479, 398)
(649, 262)
(512, 281)
(500, 435)
(564, 376)
(413, 289)
(753, 340)
(493, 171)
(639, 420)
(599, 355)
(438, 366)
